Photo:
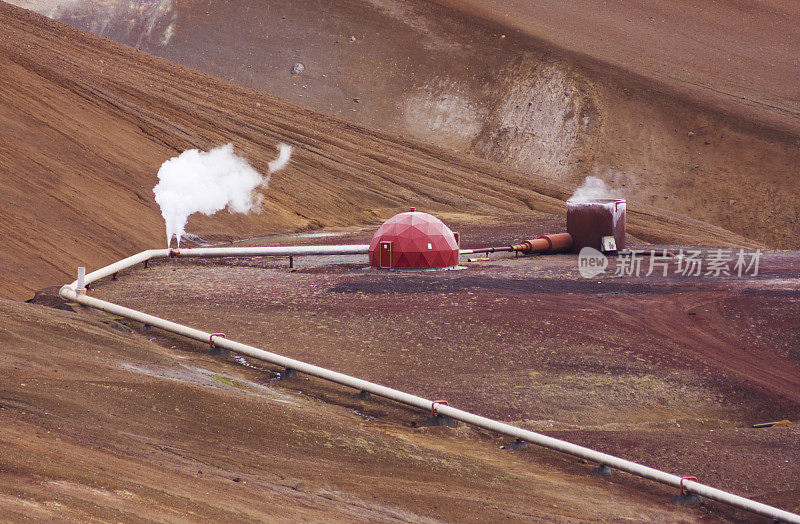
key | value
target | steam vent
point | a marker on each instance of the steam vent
(590, 220)
(413, 240)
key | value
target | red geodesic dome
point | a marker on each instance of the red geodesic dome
(413, 240)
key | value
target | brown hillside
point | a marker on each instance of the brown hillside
(691, 107)
(111, 426)
(104, 419)
(738, 57)
(86, 123)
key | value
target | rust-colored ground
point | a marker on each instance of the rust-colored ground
(86, 123)
(100, 421)
(668, 371)
(691, 107)
(739, 57)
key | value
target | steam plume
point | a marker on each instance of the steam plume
(284, 153)
(207, 182)
(593, 188)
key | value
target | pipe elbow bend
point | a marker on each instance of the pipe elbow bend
(67, 292)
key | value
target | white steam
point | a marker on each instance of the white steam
(284, 154)
(206, 182)
(593, 188)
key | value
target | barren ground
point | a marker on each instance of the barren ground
(739, 57)
(691, 107)
(668, 371)
(103, 425)
(101, 420)
(86, 123)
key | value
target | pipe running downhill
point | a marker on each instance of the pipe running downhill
(70, 292)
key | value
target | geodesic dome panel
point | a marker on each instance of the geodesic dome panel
(413, 240)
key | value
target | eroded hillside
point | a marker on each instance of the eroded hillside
(689, 108)
(86, 123)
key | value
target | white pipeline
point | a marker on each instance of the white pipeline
(285, 251)
(125, 263)
(69, 292)
(281, 251)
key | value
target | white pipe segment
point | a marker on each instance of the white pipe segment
(125, 263)
(69, 292)
(611, 461)
(283, 251)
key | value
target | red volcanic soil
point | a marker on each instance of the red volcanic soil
(102, 419)
(99, 421)
(671, 372)
(85, 124)
(735, 56)
(690, 107)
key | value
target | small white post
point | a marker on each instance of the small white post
(81, 289)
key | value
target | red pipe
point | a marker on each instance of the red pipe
(555, 243)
